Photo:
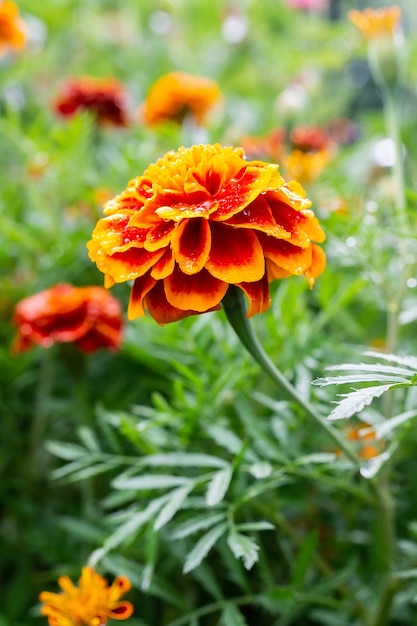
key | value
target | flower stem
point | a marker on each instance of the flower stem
(235, 309)
(393, 130)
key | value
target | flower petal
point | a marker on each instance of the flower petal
(165, 266)
(123, 610)
(318, 264)
(258, 294)
(258, 215)
(159, 236)
(236, 255)
(161, 310)
(199, 292)
(140, 289)
(123, 266)
(286, 256)
(191, 245)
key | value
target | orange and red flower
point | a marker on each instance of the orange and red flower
(199, 220)
(374, 23)
(12, 28)
(177, 96)
(105, 98)
(89, 317)
(92, 603)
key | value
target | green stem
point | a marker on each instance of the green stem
(235, 309)
(393, 130)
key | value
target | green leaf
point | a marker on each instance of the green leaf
(231, 616)
(303, 560)
(66, 451)
(384, 429)
(203, 547)
(356, 401)
(218, 486)
(183, 459)
(243, 548)
(173, 505)
(197, 523)
(89, 439)
(255, 526)
(150, 481)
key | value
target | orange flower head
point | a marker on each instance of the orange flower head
(199, 220)
(87, 316)
(105, 98)
(374, 23)
(89, 604)
(12, 28)
(178, 95)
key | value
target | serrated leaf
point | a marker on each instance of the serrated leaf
(197, 523)
(66, 451)
(150, 481)
(89, 472)
(203, 547)
(225, 438)
(371, 368)
(218, 486)
(408, 361)
(231, 616)
(243, 547)
(74, 466)
(382, 430)
(128, 529)
(255, 526)
(356, 401)
(360, 378)
(173, 505)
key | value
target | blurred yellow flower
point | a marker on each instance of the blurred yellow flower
(12, 28)
(306, 167)
(90, 604)
(376, 22)
(178, 95)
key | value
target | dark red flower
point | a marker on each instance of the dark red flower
(105, 98)
(87, 316)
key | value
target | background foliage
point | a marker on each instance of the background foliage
(175, 461)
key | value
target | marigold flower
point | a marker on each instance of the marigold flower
(105, 98)
(306, 166)
(310, 139)
(12, 28)
(270, 146)
(178, 95)
(89, 604)
(87, 316)
(376, 22)
(199, 220)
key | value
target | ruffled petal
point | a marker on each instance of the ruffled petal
(141, 287)
(286, 256)
(123, 266)
(258, 215)
(191, 245)
(258, 294)
(199, 292)
(239, 193)
(122, 610)
(318, 264)
(236, 255)
(165, 266)
(160, 309)
(298, 223)
(159, 236)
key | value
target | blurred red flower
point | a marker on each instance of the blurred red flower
(89, 317)
(105, 98)
(90, 604)
(178, 95)
(202, 219)
(12, 28)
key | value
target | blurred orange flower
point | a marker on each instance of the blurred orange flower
(310, 139)
(105, 98)
(364, 435)
(12, 27)
(87, 316)
(177, 95)
(90, 604)
(202, 219)
(376, 22)
(269, 147)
